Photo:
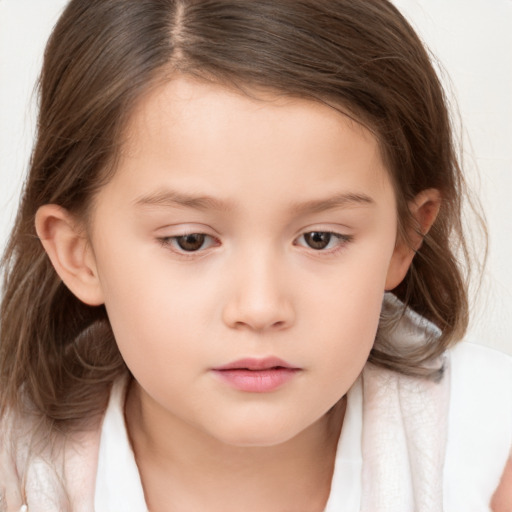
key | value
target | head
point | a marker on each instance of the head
(118, 75)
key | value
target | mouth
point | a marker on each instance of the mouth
(257, 375)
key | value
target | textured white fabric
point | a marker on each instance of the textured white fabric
(60, 479)
(404, 441)
(404, 427)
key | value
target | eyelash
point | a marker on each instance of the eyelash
(171, 242)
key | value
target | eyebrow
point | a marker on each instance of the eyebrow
(173, 199)
(345, 200)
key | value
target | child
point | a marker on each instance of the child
(194, 314)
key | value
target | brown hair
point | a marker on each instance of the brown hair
(359, 56)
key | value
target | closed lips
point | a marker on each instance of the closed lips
(254, 364)
(257, 375)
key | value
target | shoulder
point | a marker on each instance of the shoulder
(481, 386)
(10, 483)
(479, 424)
(44, 472)
(481, 359)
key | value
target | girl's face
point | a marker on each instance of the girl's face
(237, 236)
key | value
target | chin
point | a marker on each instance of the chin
(259, 441)
(257, 436)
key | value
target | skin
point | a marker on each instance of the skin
(273, 169)
(502, 499)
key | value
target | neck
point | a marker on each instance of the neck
(183, 468)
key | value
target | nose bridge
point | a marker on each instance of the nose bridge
(259, 298)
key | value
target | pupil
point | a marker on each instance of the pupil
(191, 242)
(318, 239)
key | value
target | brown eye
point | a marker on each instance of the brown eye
(318, 239)
(192, 242)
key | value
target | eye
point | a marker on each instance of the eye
(322, 240)
(191, 242)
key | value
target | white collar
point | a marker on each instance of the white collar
(118, 484)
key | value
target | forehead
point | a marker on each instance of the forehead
(207, 134)
(212, 105)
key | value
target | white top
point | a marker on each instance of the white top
(475, 448)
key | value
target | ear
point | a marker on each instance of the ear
(69, 251)
(424, 209)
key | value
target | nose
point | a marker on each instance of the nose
(259, 299)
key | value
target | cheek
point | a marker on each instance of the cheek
(153, 316)
(345, 309)
(152, 312)
(346, 341)
(348, 327)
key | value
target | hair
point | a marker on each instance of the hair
(359, 56)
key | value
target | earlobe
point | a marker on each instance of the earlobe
(69, 252)
(424, 210)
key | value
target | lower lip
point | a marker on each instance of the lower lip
(257, 381)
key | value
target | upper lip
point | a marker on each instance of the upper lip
(253, 363)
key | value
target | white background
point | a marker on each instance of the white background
(471, 38)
